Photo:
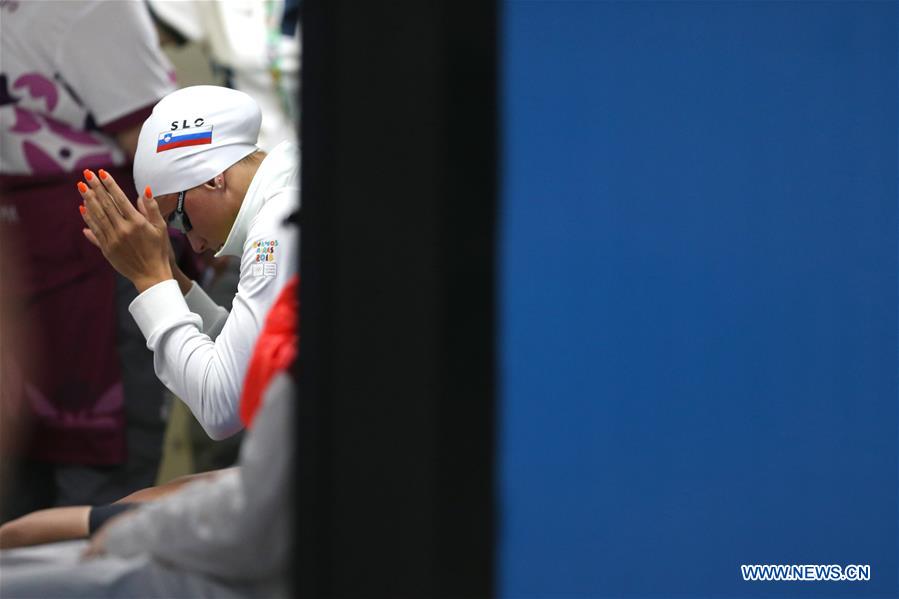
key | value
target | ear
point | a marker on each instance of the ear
(217, 182)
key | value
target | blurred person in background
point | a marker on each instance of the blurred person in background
(77, 78)
(225, 535)
(14, 413)
(257, 45)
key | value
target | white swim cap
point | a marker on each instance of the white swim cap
(194, 134)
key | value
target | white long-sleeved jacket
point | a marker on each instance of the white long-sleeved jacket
(200, 351)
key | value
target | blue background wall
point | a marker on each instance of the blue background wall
(698, 297)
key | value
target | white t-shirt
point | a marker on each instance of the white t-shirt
(200, 351)
(70, 70)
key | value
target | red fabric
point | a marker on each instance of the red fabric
(275, 349)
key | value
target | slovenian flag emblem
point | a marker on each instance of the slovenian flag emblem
(180, 139)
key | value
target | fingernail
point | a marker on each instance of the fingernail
(88, 175)
(103, 174)
(82, 187)
(148, 192)
(82, 209)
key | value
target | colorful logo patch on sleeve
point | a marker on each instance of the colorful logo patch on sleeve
(170, 140)
(264, 264)
(265, 250)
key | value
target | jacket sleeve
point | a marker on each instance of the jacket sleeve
(205, 373)
(213, 315)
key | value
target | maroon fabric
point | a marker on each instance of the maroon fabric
(73, 379)
(128, 121)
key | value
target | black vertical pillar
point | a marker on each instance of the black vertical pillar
(396, 407)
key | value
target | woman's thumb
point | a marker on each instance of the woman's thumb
(150, 208)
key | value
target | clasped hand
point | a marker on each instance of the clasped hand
(134, 241)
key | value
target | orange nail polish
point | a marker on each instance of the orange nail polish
(82, 209)
(82, 187)
(88, 175)
(103, 174)
(148, 192)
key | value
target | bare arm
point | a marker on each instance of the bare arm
(68, 523)
(46, 526)
(153, 493)
(127, 140)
